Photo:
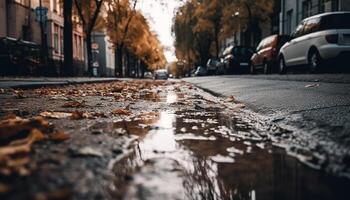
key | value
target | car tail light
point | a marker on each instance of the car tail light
(333, 38)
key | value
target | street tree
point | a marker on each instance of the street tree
(244, 15)
(88, 12)
(119, 16)
(68, 37)
(129, 32)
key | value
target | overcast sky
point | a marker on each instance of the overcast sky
(160, 18)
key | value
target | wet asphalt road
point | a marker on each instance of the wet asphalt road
(308, 100)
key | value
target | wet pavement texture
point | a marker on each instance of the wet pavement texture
(165, 140)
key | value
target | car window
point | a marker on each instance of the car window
(299, 31)
(336, 21)
(312, 25)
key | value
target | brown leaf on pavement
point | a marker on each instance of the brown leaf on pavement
(17, 136)
(59, 136)
(76, 115)
(117, 89)
(58, 194)
(19, 94)
(73, 104)
(16, 126)
(121, 111)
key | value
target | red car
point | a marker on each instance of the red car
(266, 55)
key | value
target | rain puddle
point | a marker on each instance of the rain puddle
(203, 154)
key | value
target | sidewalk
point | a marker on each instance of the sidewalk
(35, 82)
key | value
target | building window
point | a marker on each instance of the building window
(307, 8)
(61, 40)
(335, 5)
(54, 6)
(321, 6)
(55, 38)
(289, 21)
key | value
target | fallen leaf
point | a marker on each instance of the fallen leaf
(63, 193)
(76, 115)
(55, 115)
(19, 94)
(88, 151)
(121, 111)
(73, 104)
(16, 126)
(59, 136)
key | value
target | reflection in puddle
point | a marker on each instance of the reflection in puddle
(216, 161)
(161, 138)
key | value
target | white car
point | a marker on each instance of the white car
(316, 39)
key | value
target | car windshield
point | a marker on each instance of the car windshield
(336, 21)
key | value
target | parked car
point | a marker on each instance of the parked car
(238, 58)
(215, 66)
(316, 39)
(265, 57)
(148, 75)
(161, 74)
(201, 71)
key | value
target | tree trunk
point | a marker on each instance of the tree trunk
(142, 69)
(89, 53)
(119, 58)
(128, 66)
(68, 39)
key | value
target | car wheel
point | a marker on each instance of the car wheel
(282, 69)
(266, 68)
(315, 62)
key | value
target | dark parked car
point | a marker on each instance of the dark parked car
(215, 66)
(161, 74)
(238, 58)
(266, 56)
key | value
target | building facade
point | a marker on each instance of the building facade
(293, 11)
(18, 20)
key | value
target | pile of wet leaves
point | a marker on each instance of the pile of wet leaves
(17, 137)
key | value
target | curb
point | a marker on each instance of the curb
(34, 85)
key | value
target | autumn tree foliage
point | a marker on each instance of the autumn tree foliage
(129, 32)
(200, 25)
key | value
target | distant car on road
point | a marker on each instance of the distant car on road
(265, 57)
(316, 39)
(161, 74)
(238, 58)
(148, 75)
